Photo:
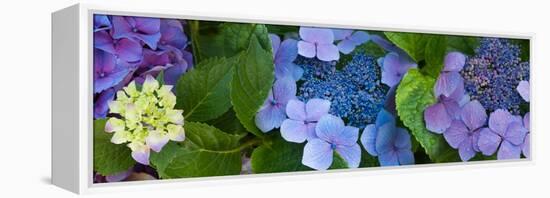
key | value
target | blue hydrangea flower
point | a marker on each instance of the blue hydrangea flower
(143, 29)
(333, 136)
(492, 75)
(394, 67)
(302, 119)
(464, 132)
(526, 147)
(349, 39)
(101, 22)
(523, 90)
(506, 133)
(355, 92)
(272, 113)
(391, 144)
(171, 34)
(101, 107)
(284, 55)
(107, 72)
(449, 79)
(318, 42)
(123, 48)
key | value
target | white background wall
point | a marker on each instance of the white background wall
(25, 97)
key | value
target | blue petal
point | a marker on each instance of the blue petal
(384, 117)
(389, 158)
(368, 139)
(329, 127)
(406, 156)
(317, 154)
(385, 138)
(351, 154)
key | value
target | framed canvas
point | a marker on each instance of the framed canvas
(167, 98)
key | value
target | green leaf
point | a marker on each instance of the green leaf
(239, 36)
(277, 155)
(252, 80)
(434, 54)
(282, 29)
(338, 162)
(414, 94)
(524, 45)
(109, 158)
(464, 44)
(160, 77)
(413, 43)
(203, 93)
(229, 123)
(206, 151)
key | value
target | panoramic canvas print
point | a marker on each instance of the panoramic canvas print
(175, 98)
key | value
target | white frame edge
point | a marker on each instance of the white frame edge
(72, 133)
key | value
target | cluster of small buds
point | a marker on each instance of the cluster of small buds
(492, 75)
(355, 92)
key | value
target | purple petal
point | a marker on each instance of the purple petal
(269, 118)
(346, 46)
(348, 136)
(390, 70)
(405, 156)
(118, 176)
(316, 35)
(101, 106)
(437, 119)
(527, 121)
(368, 139)
(389, 158)
(141, 156)
(104, 41)
(101, 22)
(294, 131)
(385, 44)
(150, 40)
(359, 37)
(385, 138)
(341, 34)
(306, 49)
(515, 133)
(147, 25)
(456, 134)
(173, 73)
(316, 108)
(288, 51)
(284, 90)
(128, 50)
(156, 141)
(508, 151)
(473, 115)
(110, 80)
(296, 110)
(329, 127)
(121, 27)
(172, 34)
(466, 150)
(526, 147)
(454, 61)
(403, 139)
(311, 131)
(499, 121)
(317, 154)
(523, 89)
(327, 52)
(275, 42)
(447, 83)
(453, 108)
(104, 62)
(488, 141)
(351, 154)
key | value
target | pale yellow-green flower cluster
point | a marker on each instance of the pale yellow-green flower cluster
(147, 118)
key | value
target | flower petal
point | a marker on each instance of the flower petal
(156, 140)
(346, 46)
(385, 138)
(348, 136)
(114, 125)
(403, 139)
(329, 127)
(316, 35)
(527, 121)
(351, 154)
(456, 134)
(176, 132)
(515, 133)
(389, 158)
(296, 110)
(499, 121)
(129, 50)
(316, 108)
(359, 37)
(311, 131)
(118, 176)
(473, 115)
(454, 61)
(288, 51)
(523, 89)
(341, 34)
(508, 151)
(317, 154)
(447, 83)
(405, 156)
(526, 147)
(269, 118)
(488, 141)
(390, 69)
(327, 52)
(368, 139)
(275, 43)
(284, 90)
(294, 131)
(384, 117)
(140, 153)
(437, 119)
(466, 150)
(307, 49)
(101, 105)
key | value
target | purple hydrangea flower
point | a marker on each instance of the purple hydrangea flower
(463, 133)
(172, 34)
(107, 73)
(526, 147)
(394, 67)
(317, 42)
(142, 29)
(284, 55)
(101, 22)
(302, 119)
(391, 144)
(332, 135)
(272, 112)
(506, 134)
(349, 39)
(101, 107)
(523, 89)
(450, 79)
(119, 176)
(126, 49)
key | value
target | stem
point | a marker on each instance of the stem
(194, 28)
(249, 143)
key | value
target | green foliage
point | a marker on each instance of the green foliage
(414, 94)
(252, 80)
(229, 123)
(203, 93)
(109, 158)
(434, 55)
(206, 151)
(412, 43)
(464, 44)
(277, 155)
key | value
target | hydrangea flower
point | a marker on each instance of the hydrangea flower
(394, 67)
(302, 119)
(272, 112)
(505, 134)
(107, 73)
(317, 42)
(171, 34)
(284, 55)
(101, 107)
(523, 89)
(146, 119)
(101, 22)
(526, 147)
(142, 29)
(349, 39)
(449, 79)
(463, 133)
(492, 75)
(126, 49)
(391, 144)
(333, 136)
(355, 92)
